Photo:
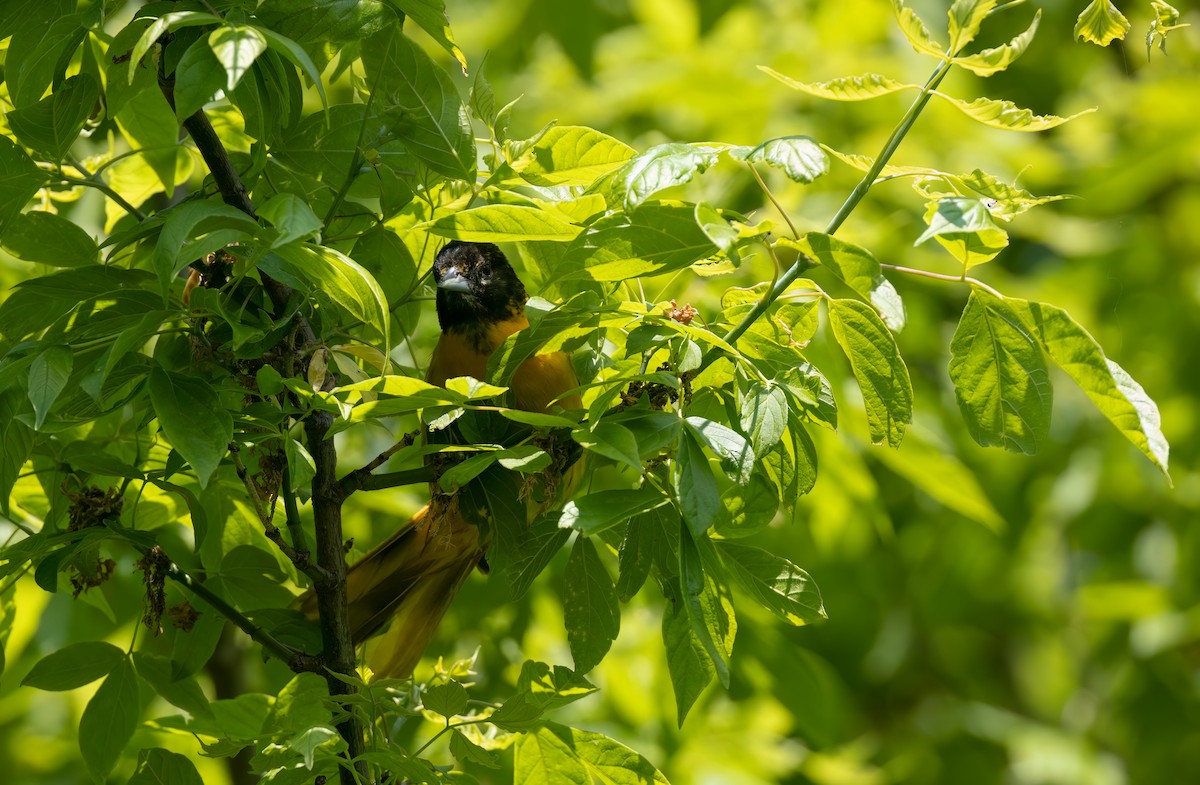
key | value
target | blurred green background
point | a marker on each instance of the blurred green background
(1063, 648)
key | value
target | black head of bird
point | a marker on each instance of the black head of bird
(476, 286)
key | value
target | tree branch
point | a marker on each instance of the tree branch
(359, 479)
(297, 660)
(332, 605)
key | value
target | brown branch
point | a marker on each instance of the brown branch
(327, 497)
(360, 478)
(332, 605)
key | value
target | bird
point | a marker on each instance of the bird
(411, 577)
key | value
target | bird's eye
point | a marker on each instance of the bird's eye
(485, 270)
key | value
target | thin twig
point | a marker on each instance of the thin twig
(297, 660)
(942, 277)
(359, 479)
(763, 184)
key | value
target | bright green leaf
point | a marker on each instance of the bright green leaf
(1101, 23)
(20, 179)
(799, 156)
(880, 370)
(236, 48)
(571, 155)
(1000, 377)
(501, 223)
(430, 16)
(1006, 115)
(915, 30)
(991, 61)
(1114, 392)
(965, 18)
(845, 88)
(965, 228)
(611, 440)
(662, 166)
(857, 268)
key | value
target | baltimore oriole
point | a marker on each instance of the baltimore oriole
(412, 576)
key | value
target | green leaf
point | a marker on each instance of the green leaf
(311, 739)
(764, 414)
(1101, 23)
(688, 664)
(596, 512)
(571, 155)
(1166, 19)
(16, 442)
(590, 609)
(880, 370)
(915, 30)
(965, 18)
(662, 166)
(1114, 392)
(856, 267)
(1000, 376)
(190, 413)
(292, 218)
(236, 48)
(1007, 201)
(49, 239)
(463, 750)
(521, 712)
(430, 16)
(295, 54)
(800, 157)
(548, 756)
(736, 454)
(502, 223)
(991, 61)
(343, 280)
(73, 666)
(716, 228)
(553, 687)
(185, 228)
(608, 761)
(611, 440)
(965, 228)
(1006, 115)
(53, 124)
(775, 583)
(707, 605)
(149, 123)
(20, 179)
(47, 377)
(421, 102)
(109, 720)
(750, 508)
(183, 692)
(160, 767)
(695, 486)
(657, 238)
(198, 78)
(448, 699)
(167, 22)
(845, 88)
(40, 52)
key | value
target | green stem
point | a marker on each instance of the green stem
(964, 278)
(103, 188)
(803, 263)
(295, 659)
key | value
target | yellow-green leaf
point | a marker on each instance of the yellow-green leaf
(1101, 23)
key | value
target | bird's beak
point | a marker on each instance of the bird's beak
(453, 281)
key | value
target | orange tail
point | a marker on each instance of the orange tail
(409, 579)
